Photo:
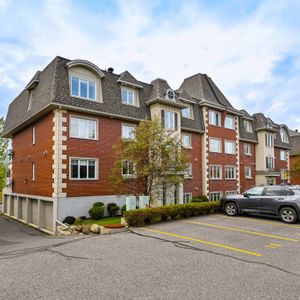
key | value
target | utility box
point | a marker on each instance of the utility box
(143, 201)
(130, 202)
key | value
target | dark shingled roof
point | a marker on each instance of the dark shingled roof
(184, 95)
(160, 88)
(127, 78)
(295, 140)
(264, 123)
(53, 90)
(201, 86)
(245, 135)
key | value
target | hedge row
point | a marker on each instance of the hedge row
(144, 216)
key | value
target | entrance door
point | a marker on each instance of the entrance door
(176, 193)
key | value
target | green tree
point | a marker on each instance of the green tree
(3, 157)
(153, 158)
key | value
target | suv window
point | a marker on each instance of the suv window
(275, 191)
(256, 191)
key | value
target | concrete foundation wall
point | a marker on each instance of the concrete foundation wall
(79, 206)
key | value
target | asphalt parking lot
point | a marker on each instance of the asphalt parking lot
(209, 257)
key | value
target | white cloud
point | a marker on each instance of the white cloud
(238, 55)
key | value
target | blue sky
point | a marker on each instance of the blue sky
(251, 49)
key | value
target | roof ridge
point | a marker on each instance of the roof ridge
(213, 91)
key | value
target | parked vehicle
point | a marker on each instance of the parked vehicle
(274, 200)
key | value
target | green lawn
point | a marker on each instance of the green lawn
(103, 221)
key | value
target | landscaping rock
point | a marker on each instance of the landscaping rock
(86, 229)
(79, 228)
(95, 228)
(62, 228)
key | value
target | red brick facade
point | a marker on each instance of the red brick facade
(40, 153)
(223, 159)
(247, 161)
(194, 185)
(279, 165)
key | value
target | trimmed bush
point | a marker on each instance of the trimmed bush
(96, 212)
(144, 216)
(112, 209)
(198, 199)
(98, 204)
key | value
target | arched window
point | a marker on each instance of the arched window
(283, 135)
(170, 95)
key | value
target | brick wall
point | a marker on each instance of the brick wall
(194, 185)
(40, 153)
(247, 161)
(222, 158)
(109, 133)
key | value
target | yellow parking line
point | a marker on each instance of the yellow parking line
(202, 241)
(273, 246)
(262, 222)
(243, 231)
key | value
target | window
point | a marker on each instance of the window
(33, 136)
(30, 100)
(269, 162)
(275, 191)
(215, 145)
(188, 172)
(187, 112)
(215, 196)
(229, 122)
(230, 193)
(230, 147)
(215, 172)
(33, 172)
(230, 172)
(247, 149)
(283, 155)
(255, 191)
(129, 96)
(83, 128)
(187, 197)
(83, 168)
(186, 140)
(214, 118)
(83, 88)
(248, 173)
(268, 140)
(169, 120)
(128, 168)
(248, 126)
(128, 131)
(284, 136)
(170, 95)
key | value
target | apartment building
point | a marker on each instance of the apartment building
(65, 122)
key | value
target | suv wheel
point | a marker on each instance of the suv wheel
(288, 215)
(231, 209)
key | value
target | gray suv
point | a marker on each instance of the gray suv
(274, 200)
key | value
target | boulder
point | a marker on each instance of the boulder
(86, 229)
(95, 228)
(79, 228)
(69, 220)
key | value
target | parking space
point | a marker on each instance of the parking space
(256, 238)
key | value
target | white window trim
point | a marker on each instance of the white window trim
(247, 153)
(188, 176)
(187, 147)
(221, 172)
(269, 140)
(250, 126)
(248, 177)
(215, 192)
(230, 192)
(129, 176)
(191, 117)
(190, 196)
(33, 171)
(85, 158)
(86, 78)
(84, 118)
(136, 99)
(230, 166)
(30, 100)
(33, 136)
(212, 138)
(173, 93)
(231, 117)
(285, 155)
(233, 142)
(128, 125)
(216, 112)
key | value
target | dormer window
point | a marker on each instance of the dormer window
(187, 112)
(170, 95)
(129, 96)
(248, 126)
(269, 124)
(83, 88)
(30, 100)
(284, 136)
